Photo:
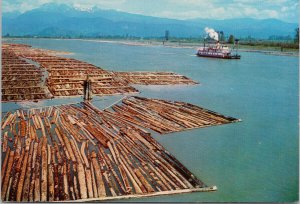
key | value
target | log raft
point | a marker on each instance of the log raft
(78, 152)
(32, 74)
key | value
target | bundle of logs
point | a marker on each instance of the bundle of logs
(78, 152)
(167, 116)
(20, 79)
(154, 78)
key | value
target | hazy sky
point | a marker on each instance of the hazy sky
(286, 10)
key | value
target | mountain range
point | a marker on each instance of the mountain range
(56, 20)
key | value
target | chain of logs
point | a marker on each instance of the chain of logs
(78, 152)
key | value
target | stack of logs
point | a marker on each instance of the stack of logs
(167, 116)
(21, 80)
(74, 152)
(154, 78)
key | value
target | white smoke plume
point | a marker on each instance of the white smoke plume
(212, 33)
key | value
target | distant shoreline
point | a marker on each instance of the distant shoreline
(190, 45)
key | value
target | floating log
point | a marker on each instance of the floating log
(44, 176)
(89, 183)
(37, 186)
(5, 142)
(81, 180)
(7, 174)
(31, 190)
(4, 164)
(100, 184)
(25, 195)
(66, 185)
(77, 195)
(22, 177)
(95, 190)
(16, 175)
(83, 154)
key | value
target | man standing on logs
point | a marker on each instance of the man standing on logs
(87, 88)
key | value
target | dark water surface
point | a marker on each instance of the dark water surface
(254, 160)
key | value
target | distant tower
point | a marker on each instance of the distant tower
(87, 89)
(167, 33)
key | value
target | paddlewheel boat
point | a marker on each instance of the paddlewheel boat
(218, 51)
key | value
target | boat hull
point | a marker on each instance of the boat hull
(220, 56)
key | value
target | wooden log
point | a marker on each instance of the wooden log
(8, 190)
(16, 175)
(61, 181)
(49, 154)
(77, 195)
(70, 181)
(56, 181)
(22, 177)
(83, 145)
(32, 181)
(99, 180)
(4, 164)
(26, 187)
(44, 175)
(95, 190)
(52, 175)
(5, 182)
(37, 185)
(89, 182)
(81, 179)
(66, 185)
(5, 142)
(23, 128)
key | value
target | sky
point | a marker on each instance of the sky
(286, 10)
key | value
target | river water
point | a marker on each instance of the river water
(253, 160)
